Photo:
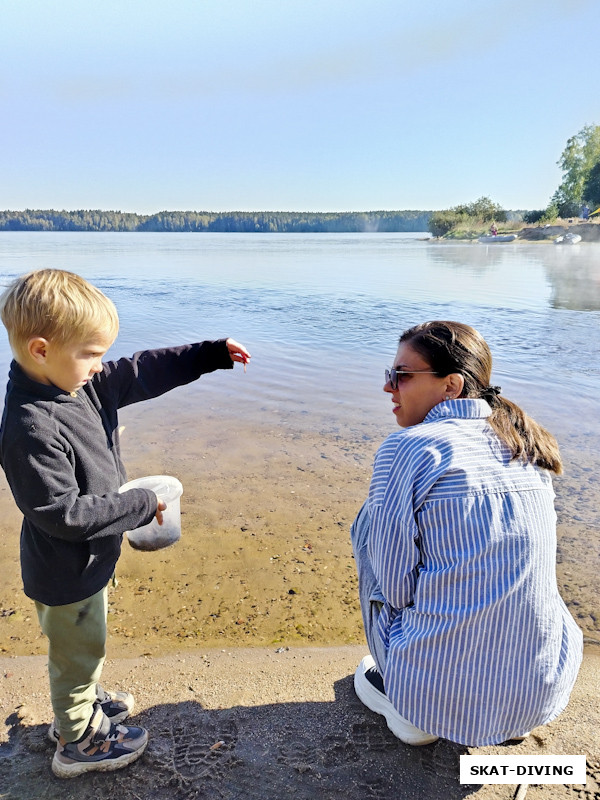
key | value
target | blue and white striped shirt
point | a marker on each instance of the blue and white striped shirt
(480, 645)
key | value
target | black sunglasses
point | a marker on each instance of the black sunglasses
(392, 376)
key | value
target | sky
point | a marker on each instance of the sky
(311, 105)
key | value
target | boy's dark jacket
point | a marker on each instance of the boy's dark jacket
(61, 456)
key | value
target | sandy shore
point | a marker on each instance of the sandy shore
(265, 556)
(589, 231)
(263, 724)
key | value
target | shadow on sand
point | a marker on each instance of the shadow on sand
(326, 750)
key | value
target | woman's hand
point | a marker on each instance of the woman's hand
(238, 352)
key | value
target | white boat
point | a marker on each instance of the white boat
(568, 238)
(498, 239)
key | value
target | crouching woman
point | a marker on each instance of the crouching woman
(456, 551)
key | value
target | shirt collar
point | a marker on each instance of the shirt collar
(462, 408)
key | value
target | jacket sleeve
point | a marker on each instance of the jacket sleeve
(150, 373)
(42, 479)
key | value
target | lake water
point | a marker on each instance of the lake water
(321, 315)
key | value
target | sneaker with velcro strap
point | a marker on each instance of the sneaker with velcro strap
(368, 685)
(104, 747)
(117, 706)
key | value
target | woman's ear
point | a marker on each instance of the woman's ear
(455, 383)
(37, 349)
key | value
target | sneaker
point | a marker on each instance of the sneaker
(103, 747)
(368, 685)
(517, 739)
(117, 706)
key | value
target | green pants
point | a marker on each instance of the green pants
(76, 650)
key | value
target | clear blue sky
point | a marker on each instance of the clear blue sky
(291, 104)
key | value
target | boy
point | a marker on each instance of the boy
(59, 448)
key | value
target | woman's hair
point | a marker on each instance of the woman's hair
(56, 305)
(453, 347)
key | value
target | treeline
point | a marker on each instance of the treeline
(223, 222)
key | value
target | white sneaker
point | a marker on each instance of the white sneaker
(368, 685)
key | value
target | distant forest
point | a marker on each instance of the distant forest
(223, 222)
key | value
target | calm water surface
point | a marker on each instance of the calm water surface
(321, 314)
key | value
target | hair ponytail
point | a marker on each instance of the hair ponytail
(454, 347)
(523, 436)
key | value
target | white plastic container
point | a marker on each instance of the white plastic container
(154, 536)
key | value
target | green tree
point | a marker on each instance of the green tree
(531, 217)
(591, 190)
(468, 215)
(486, 211)
(581, 154)
(442, 222)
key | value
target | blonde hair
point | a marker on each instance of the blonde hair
(56, 305)
(454, 347)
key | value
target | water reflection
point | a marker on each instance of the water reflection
(563, 277)
(475, 255)
(575, 278)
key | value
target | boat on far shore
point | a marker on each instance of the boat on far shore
(568, 238)
(498, 239)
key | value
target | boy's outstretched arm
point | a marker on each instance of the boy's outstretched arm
(151, 373)
(238, 352)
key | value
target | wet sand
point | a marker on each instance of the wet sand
(265, 557)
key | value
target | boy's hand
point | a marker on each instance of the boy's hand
(238, 352)
(162, 506)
